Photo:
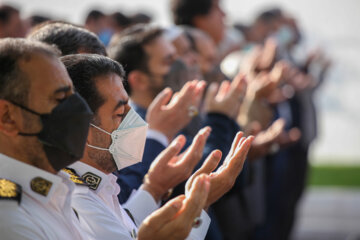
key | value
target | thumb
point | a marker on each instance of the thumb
(161, 99)
(211, 92)
(163, 215)
(210, 163)
(171, 151)
(208, 166)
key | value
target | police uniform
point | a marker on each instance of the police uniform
(100, 213)
(35, 204)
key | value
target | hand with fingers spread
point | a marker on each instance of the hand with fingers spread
(222, 180)
(168, 114)
(170, 169)
(228, 98)
(174, 220)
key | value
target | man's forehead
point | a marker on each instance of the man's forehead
(45, 71)
(111, 85)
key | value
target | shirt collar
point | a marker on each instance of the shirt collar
(95, 178)
(34, 181)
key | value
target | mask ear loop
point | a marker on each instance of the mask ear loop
(102, 130)
(30, 111)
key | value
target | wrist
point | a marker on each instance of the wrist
(156, 191)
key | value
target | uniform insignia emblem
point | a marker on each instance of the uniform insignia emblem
(9, 190)
(74, 177)
(41, 186)
(92, 180)
(133, 234)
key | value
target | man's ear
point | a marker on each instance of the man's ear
(138, 80)
(8, 116)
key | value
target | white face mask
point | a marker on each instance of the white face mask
(128, 141)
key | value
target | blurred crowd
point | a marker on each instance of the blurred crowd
(210, 96)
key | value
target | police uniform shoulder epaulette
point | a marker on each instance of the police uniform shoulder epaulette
(74, 177)
(10, 190)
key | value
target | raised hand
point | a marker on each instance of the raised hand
(174, 220)
(169, 115)
(169, 169)
(222, 180)
(227, 98)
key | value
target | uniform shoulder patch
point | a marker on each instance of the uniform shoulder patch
(74, 177)
(92, 180)
(10, 190)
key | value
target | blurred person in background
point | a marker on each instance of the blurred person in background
(37, 19)
(119, 21)
(98, 23)
(205, 15)
(11, 24)
(141, 17)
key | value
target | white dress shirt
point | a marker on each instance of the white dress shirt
(44, 211)
(101, 215)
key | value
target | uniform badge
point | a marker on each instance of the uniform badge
(74, 177)
(133, 234)
(41, 186)
(92, 180)
(10, 190)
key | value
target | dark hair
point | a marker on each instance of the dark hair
(37, 19)
(269, 15)
(121, 20)
(94, 15)
(5, 12)
(14, 84)
(184, 11)
(83, 70)
(140, 18)
(68, 38)
(127, 48)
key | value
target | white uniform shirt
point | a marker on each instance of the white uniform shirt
(44, 211)
(101, 215)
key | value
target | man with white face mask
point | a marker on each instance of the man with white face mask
(116, 139)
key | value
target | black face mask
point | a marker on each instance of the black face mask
(64, 131)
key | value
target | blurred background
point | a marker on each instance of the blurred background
(331, 207)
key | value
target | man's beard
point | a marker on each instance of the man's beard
(102, 158)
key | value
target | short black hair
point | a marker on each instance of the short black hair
(94, 15)
(269, 15)
(69, 38)
(184, 11)
(36, 19)
(83, 70)
(5, 13)
(121, 20)
(127, 48)
(140, 17)
(14, 84)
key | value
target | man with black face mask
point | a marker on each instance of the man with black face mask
(43, 129)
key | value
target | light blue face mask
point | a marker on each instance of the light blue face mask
(284, 36)
(105, 36)
(128, 141)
